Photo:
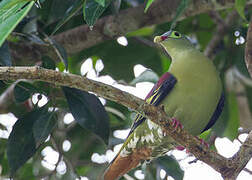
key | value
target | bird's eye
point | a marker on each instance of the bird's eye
(176, 33)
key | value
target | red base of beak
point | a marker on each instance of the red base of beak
(163, 38)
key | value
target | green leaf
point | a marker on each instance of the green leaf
(249, 96)
(88, 111)
(61, 66)
(71, 11)
(180, 10)
(54, 11)
(233, 122)
(145, 31)
(228, 123)
(2, 127)
(115, 6)
(3, 157)
(9, 7)
(23, 91)
(27, 172)
(239, 6)
(10, 15)
(35, 39)
(206, 134)
(150, 172)
(146, 76)
(23, 143)
(171, 166)
(48, 63)
(93, 10)
(61, 52)
(148, 5)
(5, 58)
(3, 86)
(101, 2)
(43, 127)
(116, 56)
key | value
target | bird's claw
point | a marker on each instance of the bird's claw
(203, 142)
(176, 124)
(180, 148)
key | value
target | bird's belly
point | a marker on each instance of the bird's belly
(193, 112)
(191, 103)
(193, 109)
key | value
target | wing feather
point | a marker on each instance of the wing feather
(159, 91)
(216, 113)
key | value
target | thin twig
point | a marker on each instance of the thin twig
(248, 171)
(247, 81)
(68, 161)
(241, 158)
(146, 42)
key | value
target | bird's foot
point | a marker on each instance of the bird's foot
(176, 124)
(203, 142)
(180, 148)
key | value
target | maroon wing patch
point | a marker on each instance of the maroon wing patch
(159, 91)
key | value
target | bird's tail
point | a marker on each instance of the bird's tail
(121, 165)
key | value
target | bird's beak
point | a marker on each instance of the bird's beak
(159, 39)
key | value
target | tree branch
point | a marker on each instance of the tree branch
(241, 158)
(227, 167)
(8, 103)
(108, 27)
(248, 48)
(222, 29)
(7, 99)
(248, 171)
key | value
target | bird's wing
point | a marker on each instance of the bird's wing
(159, 91)
(120, 165)
(216, 113)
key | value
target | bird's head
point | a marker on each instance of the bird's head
(174, 42)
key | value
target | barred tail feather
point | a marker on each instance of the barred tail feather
(121, 165)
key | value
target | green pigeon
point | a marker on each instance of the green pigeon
(190, 92)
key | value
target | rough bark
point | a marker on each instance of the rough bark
(229, 168)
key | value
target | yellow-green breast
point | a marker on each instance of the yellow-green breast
(195, 96)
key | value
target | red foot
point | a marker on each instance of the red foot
(204, 143)
(176, 124)
(180, 148)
